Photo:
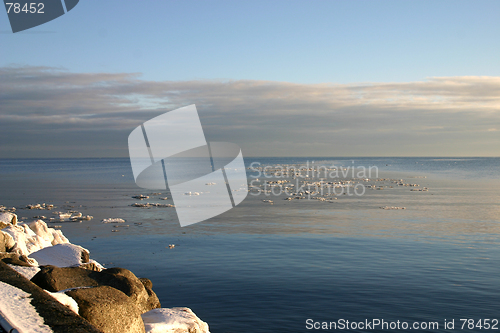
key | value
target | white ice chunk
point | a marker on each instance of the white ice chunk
(113, 220)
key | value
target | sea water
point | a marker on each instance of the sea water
(283, 267)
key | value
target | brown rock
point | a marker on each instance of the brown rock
(13, 258)
(56, 279)
(153, 301)
(108, 309)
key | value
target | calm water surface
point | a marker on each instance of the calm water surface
(269, 268)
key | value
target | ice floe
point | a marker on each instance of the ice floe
(148, 204)
(40, 206)
(392, 208)
(113, 220)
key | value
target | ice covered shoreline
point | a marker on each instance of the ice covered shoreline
(111, 300)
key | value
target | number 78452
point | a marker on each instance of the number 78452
(34, 8)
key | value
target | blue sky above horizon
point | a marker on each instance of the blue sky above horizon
(396, 78)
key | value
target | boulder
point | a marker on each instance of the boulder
(108, 309)
(153, 302)
(174, 320)
(7, 243)
(124, 280)
(55, 279)
(14, 258)
(4, 224)
(61, 255)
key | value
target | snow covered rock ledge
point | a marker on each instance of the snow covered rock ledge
(174, 320)
(61, 255)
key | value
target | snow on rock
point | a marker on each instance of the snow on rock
(8, 218)
(34, 242)
(16, 306)
(27, 272)
(19, 237)
(64, 299)
(40, 228)
(50, 235)
(59, 238)
(96, 264)
(173, 320)
(60, 255)
(8, 241)
(33, 237)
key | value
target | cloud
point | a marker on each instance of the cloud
(50, 112)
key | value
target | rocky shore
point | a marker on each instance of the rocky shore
(48, 284)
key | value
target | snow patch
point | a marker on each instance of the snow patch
(27, 272)
(60, 255)
(64, 299)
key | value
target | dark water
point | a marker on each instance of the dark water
(269, 268)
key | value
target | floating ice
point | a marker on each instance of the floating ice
(113, 220)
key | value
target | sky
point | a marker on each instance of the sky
(278, 78)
